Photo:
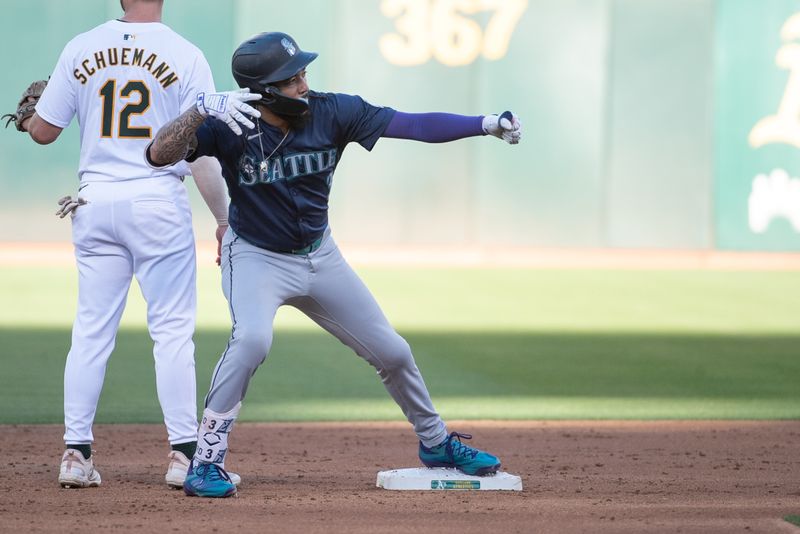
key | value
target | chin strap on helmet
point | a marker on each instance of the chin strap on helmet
(282, 104)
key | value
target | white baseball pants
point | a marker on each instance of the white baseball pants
(140, 228)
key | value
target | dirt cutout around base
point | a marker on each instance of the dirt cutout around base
(599, 477)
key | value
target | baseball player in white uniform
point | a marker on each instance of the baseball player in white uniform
(125, 79)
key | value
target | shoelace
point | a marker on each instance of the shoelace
(205, 471)
(457, 448)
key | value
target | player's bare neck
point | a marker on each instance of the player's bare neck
(273, 120)
(143, 13)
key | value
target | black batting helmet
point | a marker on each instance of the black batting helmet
(266, 59)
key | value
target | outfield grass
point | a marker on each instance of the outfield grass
(499, 344)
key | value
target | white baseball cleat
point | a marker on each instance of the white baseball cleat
(179, 465)
(77, 471)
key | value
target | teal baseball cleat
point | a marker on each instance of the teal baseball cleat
(208, 480)
(453, 453)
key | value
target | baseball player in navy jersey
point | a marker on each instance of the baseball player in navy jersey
(279, 249)
(123, 80)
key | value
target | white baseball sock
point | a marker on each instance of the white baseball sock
(212, 437)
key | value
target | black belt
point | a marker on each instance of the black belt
(306, 250)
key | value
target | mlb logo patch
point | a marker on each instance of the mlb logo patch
(129, 37)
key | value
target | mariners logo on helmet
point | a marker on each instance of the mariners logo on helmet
(287, 44)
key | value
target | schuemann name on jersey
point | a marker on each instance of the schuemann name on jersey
(129, 57)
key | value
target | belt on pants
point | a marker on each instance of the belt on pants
(306, 250)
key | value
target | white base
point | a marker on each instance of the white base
(440, 478)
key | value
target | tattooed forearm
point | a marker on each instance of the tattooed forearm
(174, 140)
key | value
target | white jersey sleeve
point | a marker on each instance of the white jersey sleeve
(57, 104)
(124, 81)
(199, 80)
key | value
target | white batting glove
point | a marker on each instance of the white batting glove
(68, 205)
(229, 107)
(505, 126)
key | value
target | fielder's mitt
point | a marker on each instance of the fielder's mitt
(27, 104)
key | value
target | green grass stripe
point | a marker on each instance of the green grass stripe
(311, 376)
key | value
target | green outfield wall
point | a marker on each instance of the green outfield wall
(638, 116)
(757, 126)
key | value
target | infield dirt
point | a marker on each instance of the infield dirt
(593, 476)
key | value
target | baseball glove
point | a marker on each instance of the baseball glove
(27, 104)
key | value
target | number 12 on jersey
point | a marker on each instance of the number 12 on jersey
(108, 94)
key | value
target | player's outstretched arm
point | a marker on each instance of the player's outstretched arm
(444, 127)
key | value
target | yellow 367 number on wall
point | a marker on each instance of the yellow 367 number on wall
(443, 29)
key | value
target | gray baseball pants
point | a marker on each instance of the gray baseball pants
(256, 282)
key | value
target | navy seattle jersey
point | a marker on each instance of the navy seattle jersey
(283, 205)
